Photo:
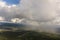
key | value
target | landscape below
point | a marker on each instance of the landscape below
(27, 35)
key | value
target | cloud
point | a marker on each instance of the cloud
(2, 19)
(41, 14)
(39, 10)
(35, 10)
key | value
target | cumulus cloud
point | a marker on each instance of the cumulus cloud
(2, 18)
(38, 10)
(35, 10)
(40, 13)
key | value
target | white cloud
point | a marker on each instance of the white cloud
(37, 10)
(2, 18)
(2, 4)
(34, 12)
(16, 20)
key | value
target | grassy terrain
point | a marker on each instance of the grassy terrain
(27, 35)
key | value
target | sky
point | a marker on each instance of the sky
(41, 13)
(11, 2)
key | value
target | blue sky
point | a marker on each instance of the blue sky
(11, 2)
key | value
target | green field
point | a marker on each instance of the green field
(27, 35)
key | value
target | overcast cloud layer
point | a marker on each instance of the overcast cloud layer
(32, 12)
